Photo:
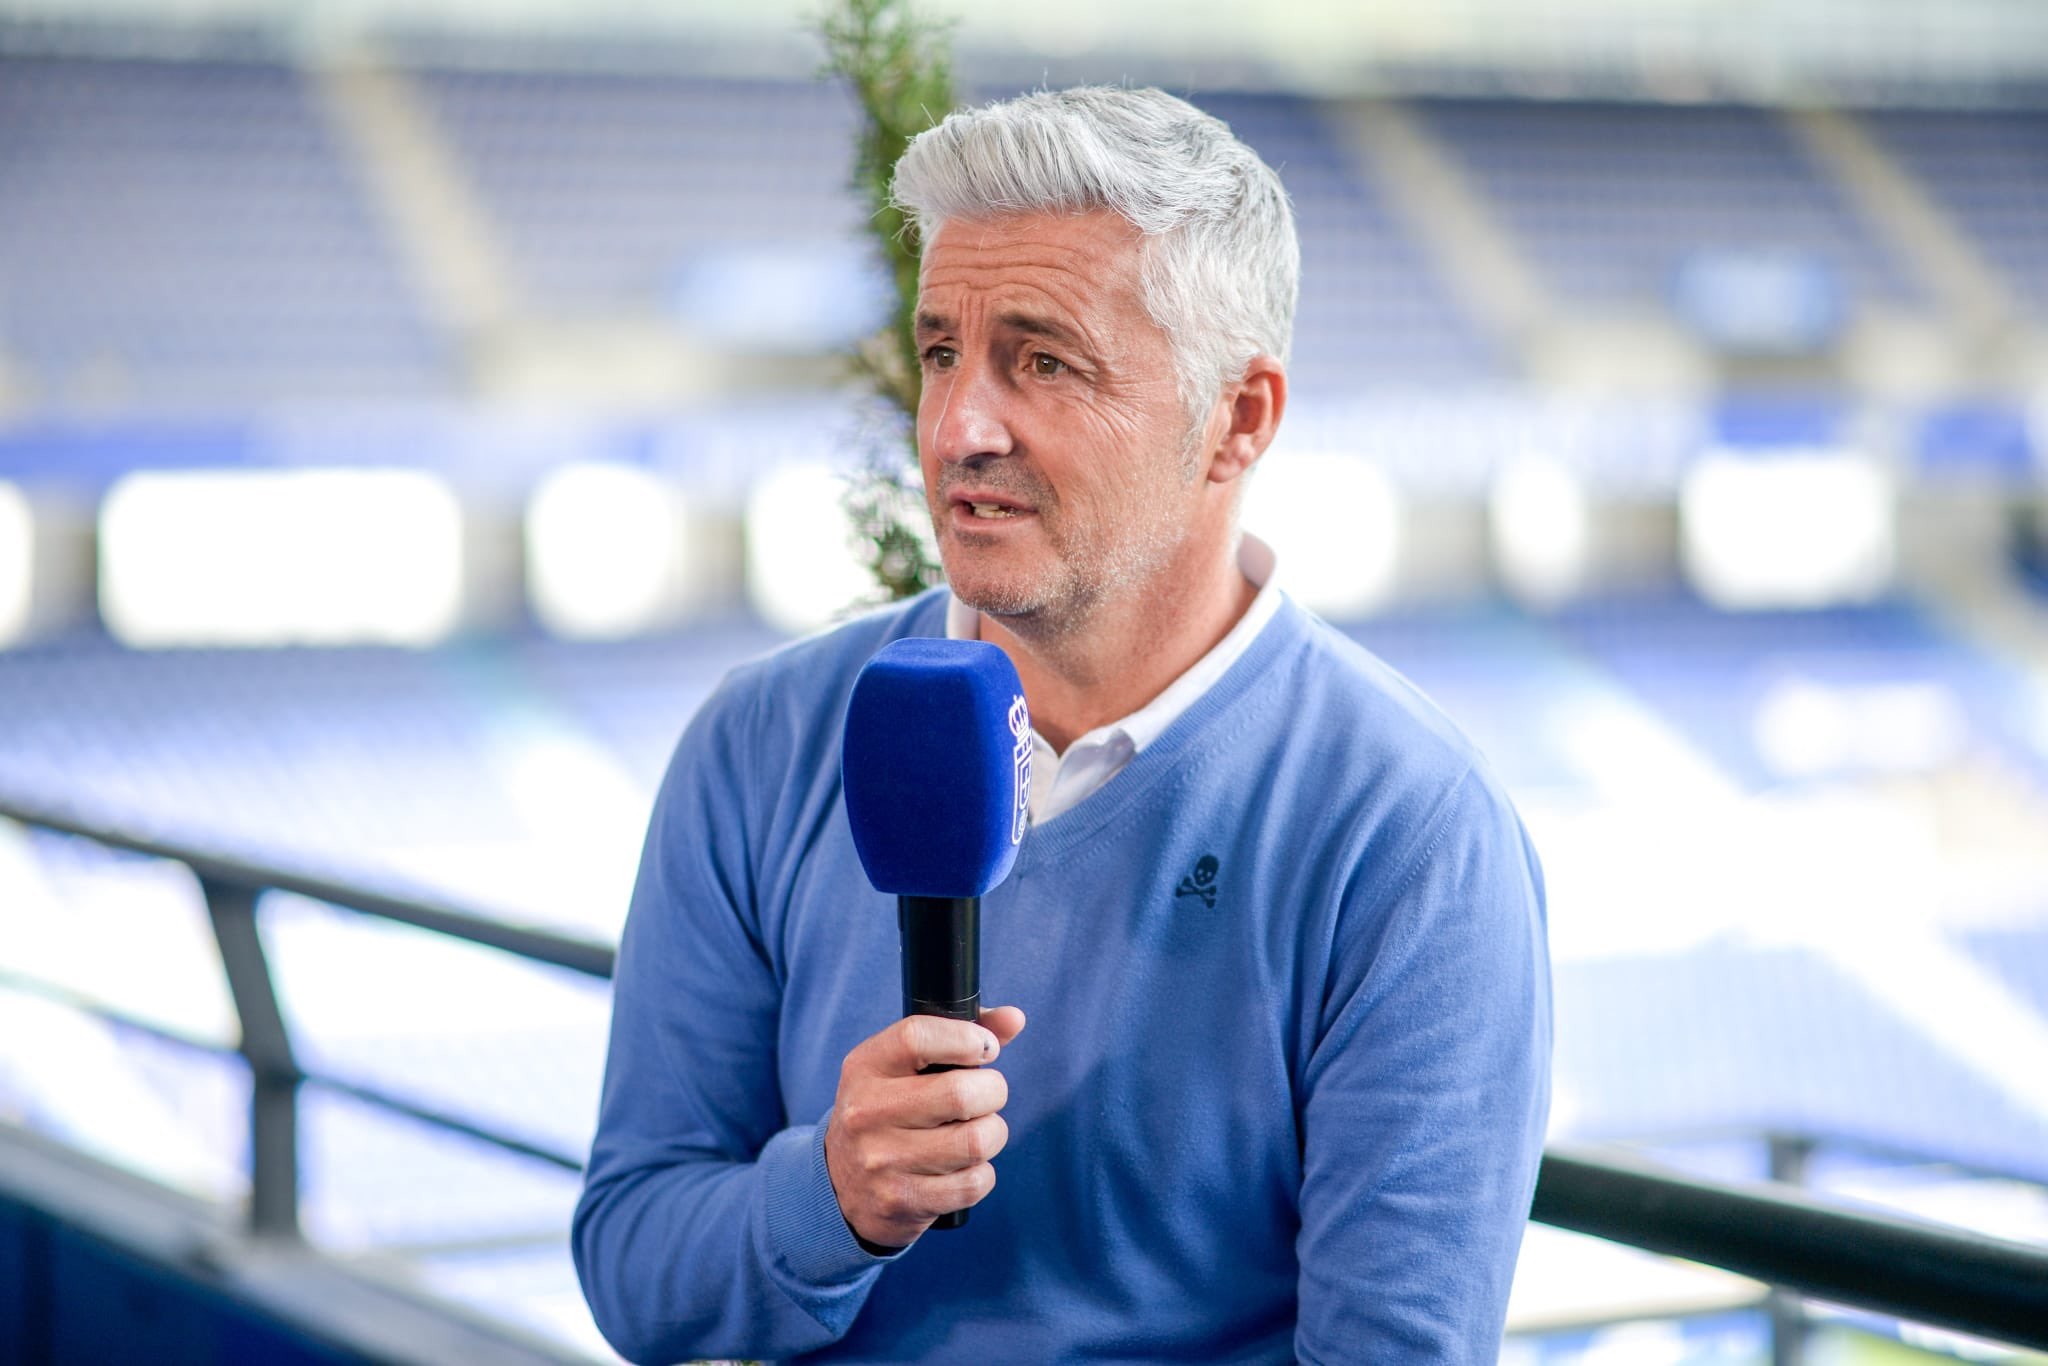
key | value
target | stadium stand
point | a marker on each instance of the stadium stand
(1378, 317)
(1713, 675)
(2019, 955)
(183, 236)
(1989, 169)
(1610, 199)
(1776, 1041)
(200, 741)
(607, 186)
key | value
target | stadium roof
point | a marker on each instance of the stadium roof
(1959, 51)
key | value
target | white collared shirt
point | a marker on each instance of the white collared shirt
(1060, 781)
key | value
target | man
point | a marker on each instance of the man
(1279, 932)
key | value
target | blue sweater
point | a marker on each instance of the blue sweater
(1290, 1108)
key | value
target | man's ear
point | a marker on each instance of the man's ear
(1253, 409)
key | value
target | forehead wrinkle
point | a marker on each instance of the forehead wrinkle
(1036, 326)
(1080, 273)
(1031, 258)
(1057, 306)
(1035, 313)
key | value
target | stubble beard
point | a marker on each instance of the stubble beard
(1085, 570)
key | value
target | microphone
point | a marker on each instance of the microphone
(936, 767)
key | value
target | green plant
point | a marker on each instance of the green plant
(901, 76)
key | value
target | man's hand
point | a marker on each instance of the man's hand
(902, 1149)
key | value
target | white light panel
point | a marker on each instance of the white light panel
(17, 565)
(1793, 530)
(607, 551)
(1540, 527)
(1335, 523)
(281, 557)
(802, 565)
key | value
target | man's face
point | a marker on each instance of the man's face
(1053, 441)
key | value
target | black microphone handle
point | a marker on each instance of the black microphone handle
(941, 970)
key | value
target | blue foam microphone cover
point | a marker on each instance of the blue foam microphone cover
(937, 767)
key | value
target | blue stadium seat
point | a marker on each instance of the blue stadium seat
(1374, 314)
(186, 236)
(1729, 1038)
(1989, 169)
(1609, 199)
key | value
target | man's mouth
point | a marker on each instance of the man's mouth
(988, 505)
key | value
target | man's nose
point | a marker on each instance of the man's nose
(970, 414)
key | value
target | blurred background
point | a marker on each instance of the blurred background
(409, 411)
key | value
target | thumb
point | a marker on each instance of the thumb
(1005, 1022)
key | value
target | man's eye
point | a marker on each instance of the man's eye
(1042, 364)
(940, 357)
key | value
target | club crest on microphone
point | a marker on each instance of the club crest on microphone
(1020, 730)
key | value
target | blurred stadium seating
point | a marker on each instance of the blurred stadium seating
(1798, 858)
(1608, 199)
(1988, 169)
(184, 236)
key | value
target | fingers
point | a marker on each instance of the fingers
(958, 1147)
(1005, 1022)
(903, 1148)
(891, 1183)
(966, 1188)
(925, 1102)
(951, 1097)
(915, 1042)
(896, 1211)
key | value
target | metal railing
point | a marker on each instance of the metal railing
(231, 888)
(1772, 1233)
(1901, 1268)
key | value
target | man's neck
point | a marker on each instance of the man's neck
(1125, 651)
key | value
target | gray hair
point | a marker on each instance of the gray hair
(1220, 267)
